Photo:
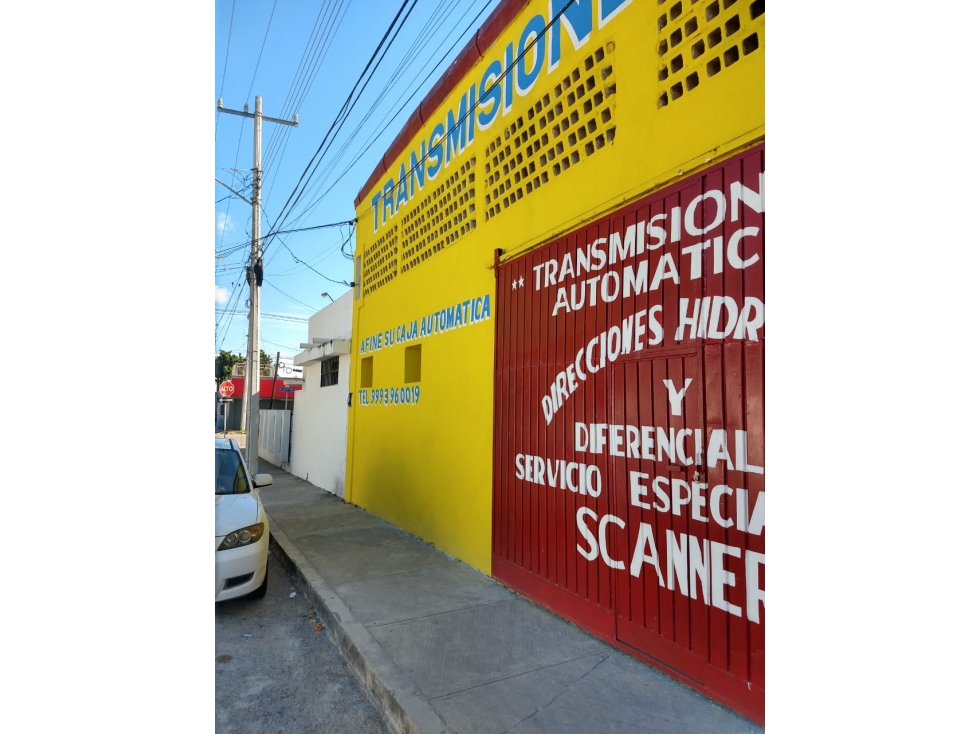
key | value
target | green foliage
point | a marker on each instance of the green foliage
(223, 363)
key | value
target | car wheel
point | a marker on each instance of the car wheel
(260, 591)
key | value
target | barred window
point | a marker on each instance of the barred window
(329, 371)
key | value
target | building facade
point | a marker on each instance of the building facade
(319, 415)
(273, 392)
(558, 325)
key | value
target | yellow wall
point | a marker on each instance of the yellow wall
(427, 467)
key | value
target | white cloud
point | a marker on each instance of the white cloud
(221, 295)
(222, 223)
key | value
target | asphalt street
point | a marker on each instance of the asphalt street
(278, 669)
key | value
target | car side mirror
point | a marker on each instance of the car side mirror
(262, 480)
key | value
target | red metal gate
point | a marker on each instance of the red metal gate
(629, 429)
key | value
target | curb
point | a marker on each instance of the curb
(407, 710)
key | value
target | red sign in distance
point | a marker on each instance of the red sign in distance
(227, 389)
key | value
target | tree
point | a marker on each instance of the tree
(223, 363)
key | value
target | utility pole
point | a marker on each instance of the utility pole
(252, 363)
(275, 376)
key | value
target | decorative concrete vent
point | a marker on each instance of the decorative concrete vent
(442, 218)
(697, 39)
(565, 126)
(380, 261)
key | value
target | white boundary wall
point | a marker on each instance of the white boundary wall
(273, 435)
(319, 435)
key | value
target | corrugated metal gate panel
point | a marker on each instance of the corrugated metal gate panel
(534, 529)
(654, 540)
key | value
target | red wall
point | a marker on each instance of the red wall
(264, 388)
(668, 433)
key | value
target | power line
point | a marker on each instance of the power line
(261, 50)
(405, 62)
(349, 255)
(386, 122)
(384, 126)
(381, 128)
(343, 116)
(325, 47)
(339, 245)
(239, 194)
(274, 317)
(284, 213)
(317, 226)
(498, 81)
(221, 318)
(233, 248)
(290, 94)
(223, 73)
(402, 67)
(217, 115)
(227, 208)
(348, 284)
(349, 109)
(240, 286)
(269, 283)
(276, 344)
(230, 250)
(296, 96)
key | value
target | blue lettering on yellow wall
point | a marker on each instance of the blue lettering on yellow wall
(576, 24)
(402, 188)
(459, 315)
(435, 150)
(482, 104)
(388, 199)
(489, 94)
(455, 139)
(374, 202)
(417, 175)
(508, 79)
(533, 54)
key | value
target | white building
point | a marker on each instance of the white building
(319, 431)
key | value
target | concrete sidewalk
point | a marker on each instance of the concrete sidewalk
(444, 648)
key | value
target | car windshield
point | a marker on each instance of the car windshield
(229, 473)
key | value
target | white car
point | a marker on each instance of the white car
(241, 529)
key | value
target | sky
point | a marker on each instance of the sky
(305, 59)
